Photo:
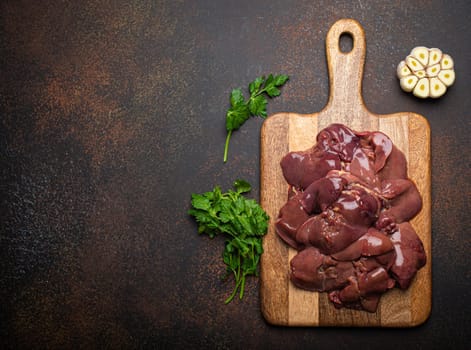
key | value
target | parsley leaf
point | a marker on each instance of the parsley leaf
(242, 186)
(242, 109)
(258, 106)
(242, 221)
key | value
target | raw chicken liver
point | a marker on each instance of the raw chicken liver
(347, 215)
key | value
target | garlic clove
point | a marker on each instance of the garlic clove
(435, 55)
(420, 74)
(413, 64)
(403, 70)
(422, 89)
(421, 53)
(433, 71)
(446, 62)
(408, 83)
(437, 88)
(447, 76)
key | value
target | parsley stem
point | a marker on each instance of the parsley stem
(242, 287)
(226, 147)
(234, 292)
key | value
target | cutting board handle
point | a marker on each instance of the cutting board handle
(345, 68)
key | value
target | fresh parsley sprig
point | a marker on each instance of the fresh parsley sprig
(241, 109)
(241, 220)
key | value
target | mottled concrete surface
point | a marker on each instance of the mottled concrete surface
(112, 114)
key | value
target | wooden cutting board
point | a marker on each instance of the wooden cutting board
(281, 302)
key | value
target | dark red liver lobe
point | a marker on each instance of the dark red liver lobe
(348, 217)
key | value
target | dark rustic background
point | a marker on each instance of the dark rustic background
(112, 114)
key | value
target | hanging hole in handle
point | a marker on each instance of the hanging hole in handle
(346, 42)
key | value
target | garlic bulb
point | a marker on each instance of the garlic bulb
(426, 72)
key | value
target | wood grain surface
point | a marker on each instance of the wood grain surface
(281, 302)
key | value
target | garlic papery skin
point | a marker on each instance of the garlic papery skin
(426, 72)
